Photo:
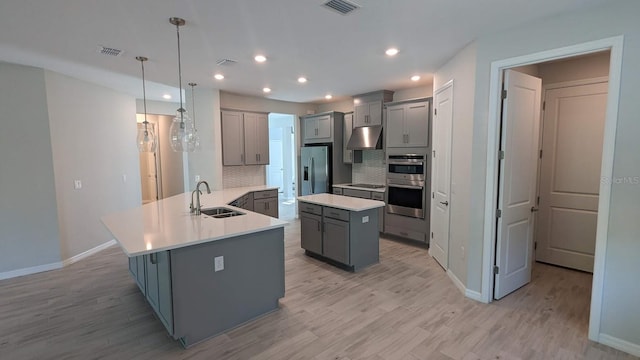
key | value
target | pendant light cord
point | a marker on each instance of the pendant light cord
(193, 105)
(180, 77)
(144, 98)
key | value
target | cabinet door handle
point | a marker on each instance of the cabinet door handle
(318, 225)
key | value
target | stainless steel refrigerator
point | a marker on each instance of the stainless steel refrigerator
(315, 167)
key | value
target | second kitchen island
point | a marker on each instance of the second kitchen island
(339, 229)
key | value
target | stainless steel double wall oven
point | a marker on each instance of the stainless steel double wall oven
(406, 180)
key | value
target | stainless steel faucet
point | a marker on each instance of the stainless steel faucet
(195, 207)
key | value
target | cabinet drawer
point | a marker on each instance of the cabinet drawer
(265, 194)
(310, 208)
(363, 194)
(337, 191)
(334, 213)
(405, 233)
(377, 196)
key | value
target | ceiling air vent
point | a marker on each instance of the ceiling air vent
(342, 6)
(223, 62)
(104, 50)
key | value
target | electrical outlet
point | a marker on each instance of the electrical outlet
(365, 219)
(197, 178)
(77, 184)
(218, 263)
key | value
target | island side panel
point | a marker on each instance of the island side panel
(365, 243)
(207, 302)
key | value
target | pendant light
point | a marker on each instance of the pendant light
(146, 138)
(181, 131)
(196, 137)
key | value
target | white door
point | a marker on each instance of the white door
(275, 169)
(441, 174)
(572, 137)
(517, 182)
(148, 174)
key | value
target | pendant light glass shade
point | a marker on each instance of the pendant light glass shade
(181, 133)
(146, 138)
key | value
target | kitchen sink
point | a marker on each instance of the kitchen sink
(220, 212)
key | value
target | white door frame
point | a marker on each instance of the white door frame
(615, 45)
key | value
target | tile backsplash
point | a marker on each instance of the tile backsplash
(237, 176)
(371, 170)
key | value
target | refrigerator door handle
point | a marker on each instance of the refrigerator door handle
(313, 177)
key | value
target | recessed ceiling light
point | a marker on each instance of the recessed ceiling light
(356, 101)
(415, 78)
(391, 51)
(218, 76)
(166, 96)
(260, 58)
(266, 89)
(328, 97)
(302, 79)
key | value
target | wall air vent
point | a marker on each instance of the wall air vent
(104, 50)
(223, 62)
(341, 6)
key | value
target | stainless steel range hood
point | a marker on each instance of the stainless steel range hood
(366, 138)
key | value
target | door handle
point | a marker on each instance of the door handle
(534, 209)
(313, 178)
(445, 203)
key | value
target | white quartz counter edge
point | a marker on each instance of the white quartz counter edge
(348, 186)
(167, 224)
(341, 202)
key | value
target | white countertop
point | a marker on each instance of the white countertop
(349, 186)
(167, 224)
(341, 202)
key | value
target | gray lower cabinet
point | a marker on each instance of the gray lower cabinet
(311, 228)
(158, 281)
(266, 202)
(346, 237)
(336, 240)
(195, 302)
(138, 272)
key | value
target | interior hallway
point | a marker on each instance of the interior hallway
(403, 308)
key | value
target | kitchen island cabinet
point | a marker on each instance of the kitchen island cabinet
(203, 275)
(339, 229)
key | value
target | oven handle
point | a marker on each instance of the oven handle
(406, 186)
(406, 162)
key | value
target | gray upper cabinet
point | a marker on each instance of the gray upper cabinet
(368, 114)
(232, 138)
(318, 129)
(347, 155)
(256, 139)
(408, 124)
(245, 138)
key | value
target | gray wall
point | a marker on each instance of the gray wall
(462, 70)
(93, 132)
(28, 210)
(620, 310)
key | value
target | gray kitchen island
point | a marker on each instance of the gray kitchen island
(340, 230)
(202, 274)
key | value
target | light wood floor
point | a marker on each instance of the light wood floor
(405, 307)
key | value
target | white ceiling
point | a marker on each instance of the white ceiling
(341, 55)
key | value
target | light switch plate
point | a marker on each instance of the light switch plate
(197, 178)
(218, 263)
(365, 219)
(77, 184)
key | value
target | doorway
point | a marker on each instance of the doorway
(281, 170)
(492, 210)
(161, 172)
